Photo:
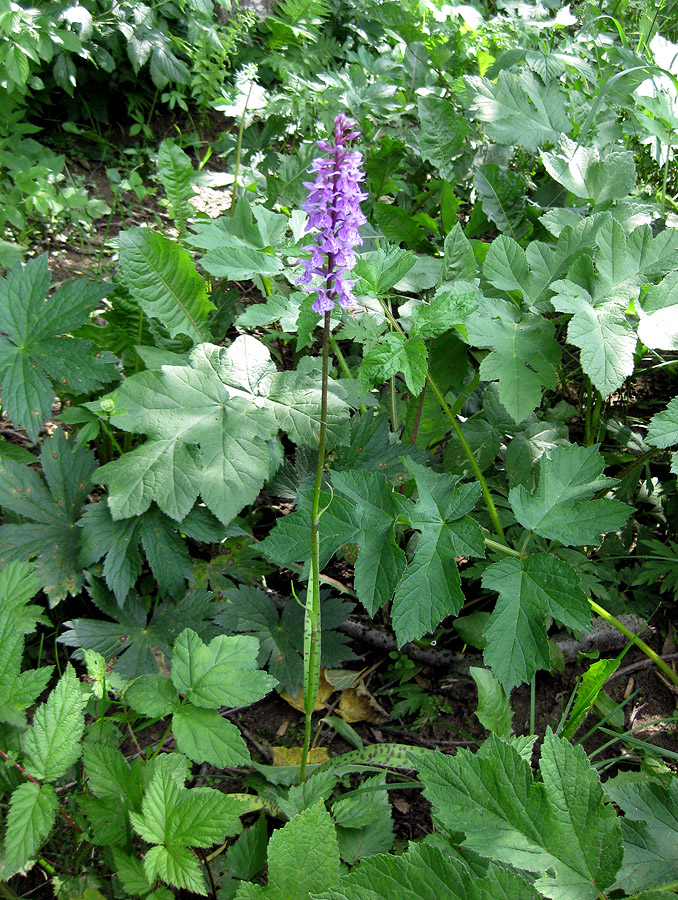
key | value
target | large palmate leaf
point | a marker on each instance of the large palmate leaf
(117, 542)
(395, 353)
(162, 279)
(50, 508)
(598, 298)
(524, 354)
(243, 246)
(35, 350)
(582, 171)
(173, 819)
(212, 430)
(530, 590)
(247, 609)
(518, 109)
(430, 587)
(426, 872)
(559, 828)
(442, 135)
(649, 829)
(303, 859)
(381, 561)
(658, 310)
(138, 644)
(562, 508)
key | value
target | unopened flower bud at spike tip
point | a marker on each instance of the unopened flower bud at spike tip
(333, 207)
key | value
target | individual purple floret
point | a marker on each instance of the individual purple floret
(333, 207)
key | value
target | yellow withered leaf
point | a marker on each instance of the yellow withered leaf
(291, 756)
(325, 690)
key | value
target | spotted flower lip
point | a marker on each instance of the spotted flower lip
(334, 217)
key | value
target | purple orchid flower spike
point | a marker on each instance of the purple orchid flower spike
(333, 207)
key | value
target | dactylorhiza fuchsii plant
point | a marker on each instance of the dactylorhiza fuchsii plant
(333, 205)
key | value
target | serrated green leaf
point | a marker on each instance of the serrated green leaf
(524, 354)
(442, 135)
(204, 736)
(559, 829)
(303, 858)
(398, 225)
(519, 109)
(53, 504)
(425, 872)
(243, 246)
(430, 587)
(248, 609)
(604, 336)
(663, 428)
(459, 261)
(35, 355)
(108, 820)
(162, 279)
(484, 432)
(109, 775)
(175, 172)
(136, 643)
(364, 822)
(395, 353)
(583, 172)
(176, 865)
(649, 830)
(223, 673)
(449, 307)
(529, 590)
(494, 711)
(130, 871)
(503, 195)
(118, 542)
(231, 401)
(380, 270)
(562, 508)
(53, 742)
(31, 815)
(381, 561)
(152, 695)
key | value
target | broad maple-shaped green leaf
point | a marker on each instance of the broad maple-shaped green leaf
(381, 561)
(247, 609)
(442, 135)
(532, 271)
(583, 172)
(430, 587)
(35, 350)
(598, 299)
(117, 542)
(173, 819)
(222, 673)
(303, 859)
(426, 872)
(561, 508)
(212, 430)
(559, 829)
(524, 354)
(139, 645)
(449, 307)
(162, 279)
(50, 506)
(31, 815)
(52, 743)
(243, 246)
(395, 353)
(518, 109)
(18, 690)
(649, 829)
(529, 590)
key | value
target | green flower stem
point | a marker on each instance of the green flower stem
(452, 419)
(312, 612)
(509, 551)
(238, 150)
(648, 651)
(341, 359)
(473, 462)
